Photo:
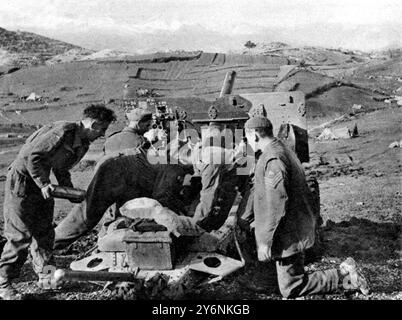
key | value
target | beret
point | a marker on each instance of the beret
(258, 122)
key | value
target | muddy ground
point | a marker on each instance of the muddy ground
(360, 185)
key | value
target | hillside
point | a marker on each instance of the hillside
(21, 49)
(72, 77)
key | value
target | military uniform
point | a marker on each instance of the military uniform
(28, 217)
(119, 178)
(285, 221)
(220, 181)
(119, 141)
(128, 138)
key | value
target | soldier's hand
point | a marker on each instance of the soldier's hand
(264, 253)
(46, 191)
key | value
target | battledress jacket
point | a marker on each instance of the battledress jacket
(220, 181)
(55, 147)
(284, 218)
(127, 138)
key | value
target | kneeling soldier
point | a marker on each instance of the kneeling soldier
(284, 218)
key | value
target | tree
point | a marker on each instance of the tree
(250, 45)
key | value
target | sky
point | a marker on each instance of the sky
(210, 25)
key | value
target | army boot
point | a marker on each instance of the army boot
(7, 291)
(353, 278)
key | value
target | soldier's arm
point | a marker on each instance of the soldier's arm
(276, 199)
(38, 160)
(63, 177)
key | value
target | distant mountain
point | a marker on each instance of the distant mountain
(190, 37)
(18, 49)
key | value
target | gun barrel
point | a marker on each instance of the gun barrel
(228, 83)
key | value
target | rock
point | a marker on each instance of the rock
(379, 174)
(5, 135)
(387, 101)
(327, 134)
(33, 97)
(395, 144)
(346, 132)
(323, 161)
(343, 159)
(357, 107)
(359, 203)
(342, 133)
(398, 100)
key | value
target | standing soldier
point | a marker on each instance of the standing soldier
(28, 204)
(285, 221)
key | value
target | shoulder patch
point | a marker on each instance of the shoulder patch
(273, 178)
(274, 173)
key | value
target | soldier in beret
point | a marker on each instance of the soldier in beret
(132, 136)
(28, 204)
(285, 220)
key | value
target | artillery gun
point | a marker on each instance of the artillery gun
(164, 258)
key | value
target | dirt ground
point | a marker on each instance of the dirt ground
(360, 186)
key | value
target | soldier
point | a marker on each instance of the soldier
(131, 136)
(217, 166)
(28, 204)
(118, 178)
(284, 219)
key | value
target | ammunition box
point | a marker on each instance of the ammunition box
(152, 250)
